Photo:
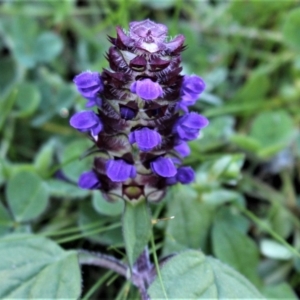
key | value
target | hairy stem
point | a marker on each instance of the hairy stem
(140, 276)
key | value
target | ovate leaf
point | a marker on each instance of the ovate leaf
(27, 195)
(27, 100)
(291, 29)
(235, 248)
(136, 229)
(191, 223)
(192, 275)
(33, 267)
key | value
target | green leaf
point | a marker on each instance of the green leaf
(214, 135)
(281, 221)
(8, 73)
(33, 267)
(220, 196)
(6, 104)
(275, 250)
(226, 169)
(254, 89)
(232, 246)
(279, 291)
(273, 128)
(105, 207)
(136, 229)
(89, 217)
(56, 96)
(27, 196)
(74, 166)
(66, 190)
(290, 29)
(192, 275)
(191, 223)
(27, 100)
(47, 46)
(245, 142)
(44, 158)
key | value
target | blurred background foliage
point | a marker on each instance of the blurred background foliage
(244, 207)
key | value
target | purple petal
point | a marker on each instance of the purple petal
(163, 167)
(118, 170)
(88, 84)
(146, 89)
(188, 126)
(86, 121)
(89, 180)
(187, 134)
(146, 138)
(194, 121)
(185, 175)
(193, 85)
(171, 180)
(127, 113)
(94, 101)
(96, 129)
(183, 149)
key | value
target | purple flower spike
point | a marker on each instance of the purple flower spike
(145, 138)
(89, 180)
(185, 175)
(183, 149)
(89, 84)
(119, 170)
(86, 121)
(188, 126)
(164, 167)
(146, 89)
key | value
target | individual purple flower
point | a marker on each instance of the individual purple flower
(89, 180)
(146, 89)
(86, 121)
(188, 126)
(185, 175)
(145, 138)
(183, 149)
(192, 87)
(89, 84)
(119, 170)
(163, 166)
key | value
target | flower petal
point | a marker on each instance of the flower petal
(163, 167)
(183, 149)
(88, 84)
(188, 126)
(84, 120)
(118, 170)
(147, 89)
(185, 175)
(192, 85)
(146, 138)
(89, 180)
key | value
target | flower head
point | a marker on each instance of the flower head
(142, 123)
